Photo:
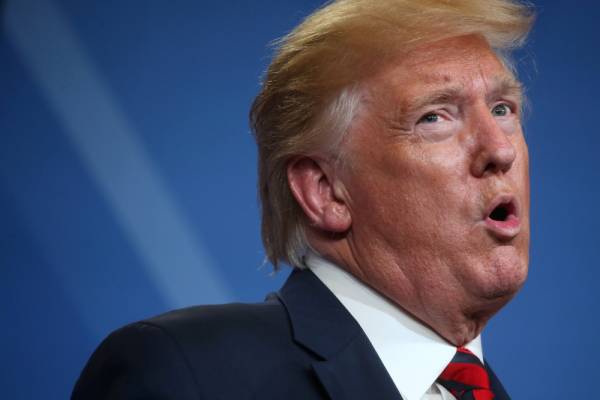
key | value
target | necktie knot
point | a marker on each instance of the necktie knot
(466, 377)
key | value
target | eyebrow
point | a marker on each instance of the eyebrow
(443, 95)
(505, 86)
(500, 86)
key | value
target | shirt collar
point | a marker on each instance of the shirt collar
(412, 353)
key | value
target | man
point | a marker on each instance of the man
(394, 179)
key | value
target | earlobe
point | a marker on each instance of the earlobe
(318, 195)
(337, 217)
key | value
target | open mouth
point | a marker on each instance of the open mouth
(502, 219)
(502, 211)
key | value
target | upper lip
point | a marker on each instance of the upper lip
(509, 200)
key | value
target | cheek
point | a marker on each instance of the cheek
(519, 143)
(427, 200)
(520, 175)
(440, 188)
(412, 192)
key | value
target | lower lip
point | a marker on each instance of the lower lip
(507, 229)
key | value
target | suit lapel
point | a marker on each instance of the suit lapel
(347, 365)
(356, 373)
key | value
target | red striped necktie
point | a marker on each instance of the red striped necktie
(466, 377)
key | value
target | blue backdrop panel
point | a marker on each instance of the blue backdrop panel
(127, 182)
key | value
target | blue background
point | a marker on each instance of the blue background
(127, 182)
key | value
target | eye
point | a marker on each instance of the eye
(429, 118)
(501, 110)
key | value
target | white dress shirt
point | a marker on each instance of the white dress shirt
(413, 354)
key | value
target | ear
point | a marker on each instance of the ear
(319, 195)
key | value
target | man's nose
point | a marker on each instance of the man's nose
(494, 151)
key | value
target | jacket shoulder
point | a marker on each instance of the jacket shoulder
(215, 351)
(215, 325)
(136, 361)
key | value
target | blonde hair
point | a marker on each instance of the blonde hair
(311, 94)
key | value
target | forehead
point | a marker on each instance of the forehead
(465, 62)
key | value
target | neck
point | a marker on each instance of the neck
(457, 318)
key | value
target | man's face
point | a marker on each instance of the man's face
(437, 180)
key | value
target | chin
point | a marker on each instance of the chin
(494, 293)
(506, 274)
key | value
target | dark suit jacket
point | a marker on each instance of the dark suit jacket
(300, 343)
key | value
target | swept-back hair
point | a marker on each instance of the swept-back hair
(310, 91)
